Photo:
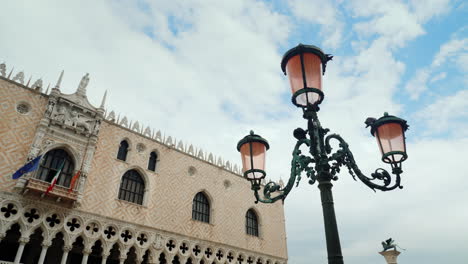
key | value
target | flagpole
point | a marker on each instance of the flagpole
(55, 179)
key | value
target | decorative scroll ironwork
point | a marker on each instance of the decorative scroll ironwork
(322, 164)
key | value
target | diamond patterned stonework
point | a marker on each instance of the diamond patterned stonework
(33, 123)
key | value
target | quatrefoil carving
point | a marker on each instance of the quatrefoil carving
(31, 215)
(9, 210)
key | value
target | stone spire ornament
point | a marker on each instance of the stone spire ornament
(103, 102)
(59, 81)
(9, 75)
(83, 84)
(47, 90)
(27, 84)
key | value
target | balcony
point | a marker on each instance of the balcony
(37, 187)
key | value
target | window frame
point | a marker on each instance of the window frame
(252, 223)
(122, 154)
(132, 187)
(152, 164)
(49, 166)
(201, 208)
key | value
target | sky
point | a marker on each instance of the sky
(207, 72)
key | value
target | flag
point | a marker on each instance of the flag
(28, 167)
(73, 181)
(54, 180)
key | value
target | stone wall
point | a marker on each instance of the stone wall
(171, 189)
(181, 172)
(17, 130)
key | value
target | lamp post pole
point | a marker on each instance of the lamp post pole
(305, 65)
(331, 228)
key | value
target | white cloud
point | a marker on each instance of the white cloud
(324, 13)
(418, 83)
(426, 10)
(390, 20)
(438, 77)
(455, 50)
(211, 73)
(447, 115)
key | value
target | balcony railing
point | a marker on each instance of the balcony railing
(59, 192)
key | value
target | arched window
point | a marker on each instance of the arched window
(251, 223)
(123, 150)
(201, 208)
(132, 187)
(152, 161)
(50, 165)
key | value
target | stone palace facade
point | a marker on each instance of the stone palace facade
(139, 197)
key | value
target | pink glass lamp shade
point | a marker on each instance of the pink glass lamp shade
(390, 134)
(305, 65)
(253, 149)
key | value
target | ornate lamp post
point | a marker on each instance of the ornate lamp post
(305, 65)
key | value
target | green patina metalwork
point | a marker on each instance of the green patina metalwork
(324, 164)
(321, 164)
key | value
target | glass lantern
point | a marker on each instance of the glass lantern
(390, 134)
(253, 149)
(305, 65)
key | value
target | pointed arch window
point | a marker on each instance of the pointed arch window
(201, 208)
(152, 161)
(123, 150)
(50, 165)
(132, 187)
(251, 223)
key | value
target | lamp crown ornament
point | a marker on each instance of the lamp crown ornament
(305, 65)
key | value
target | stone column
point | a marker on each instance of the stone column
(154, 256)
(22, 242)
(122, 260)
(139, 259)
(66, 249)
(19, 253)
(183, 259)
(45, 247)
(86, 253)
(104, 258)
(390, 256)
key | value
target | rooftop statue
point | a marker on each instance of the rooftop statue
(83, 84)
(389, 244)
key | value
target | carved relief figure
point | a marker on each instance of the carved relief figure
(96, 127)
(60, 115)
(158, 243)
(77, 121)
(49, 109)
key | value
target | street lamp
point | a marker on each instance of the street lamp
(305, 65)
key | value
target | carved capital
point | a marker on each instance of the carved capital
(87, 251)
(46, 244)
(67, 248)
(24, 240)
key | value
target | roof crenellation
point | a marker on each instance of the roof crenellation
(136, 127)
